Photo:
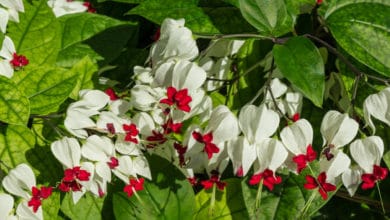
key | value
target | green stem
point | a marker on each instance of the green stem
(380, 198)
(258, 195)
(228, 36)
(212, 201)
(308, 204)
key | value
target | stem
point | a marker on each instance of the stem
(385, 81)
(212, 200)
(354, 93)
(258, 195)
(47, 116)
(380, 198)
(227, 36)
(308, 203)
(268, 85)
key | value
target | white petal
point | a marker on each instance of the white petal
(258, 123)
(26, 213)
(67, 151)
(141, 167)
(336, 166)
(242, 154)
(367, 152)
(6, 205)
(278, 89)
(110, 118)
(119, 107)
(351, 180)
(13, 4)
(94, 99)
(223, 124)
(297, 137)
(6, 68)
(377, 105)
(125, 169)
(20, 181)
(338, 129)
(98, 148)
(103, 170)
(3, 20)
(271, 154)
(7, 49)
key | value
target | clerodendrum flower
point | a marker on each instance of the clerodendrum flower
(257, 124)
(20, 181)
(368, 153)
(10, 12)
(378, 106)
(6, 206)
(9, 60)
(63, 7)
(297, 138)
(337, 130)
(323, 186)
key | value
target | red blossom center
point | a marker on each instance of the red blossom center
(111, 93)
(268, 177)
(19, 61)
(181, 150)
(209, 147)
(214, 179)
(90, 9)
(110, 127)
(296, 117)
(170, 127)
(302, 159)
(369, 179)
(113, 163)
(72, 176)
(323, 186)
(180, 99)
(134, 185)
(131, 133)
(38, 195)
(155, 139)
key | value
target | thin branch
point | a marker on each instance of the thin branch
(385, 81)
(229, 36)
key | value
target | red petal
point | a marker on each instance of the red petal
(324, 195)
(197, 136)
(207, 138)
(171, 92)
(380, 172)
(300, 160)
(46, 192)
(210, 148)
(322, 178)
(255, 179)
(310, 153)
(311, 182)
(207, 184)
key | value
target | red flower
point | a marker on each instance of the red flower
(71, 177)
(369, 179)
(19, 61)
(38, 195)
(131, 133)
(156, 138)
(323, 186)
(170, 127)
(301, 160)
(90, 9)
(134, 185)
(214, 179)
(110, 92)
(113, 163)
(179, 98)
(296, 117)
(181, 150)
(269, 180)
(209, 147)
(319, 2)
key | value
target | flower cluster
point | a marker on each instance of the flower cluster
(168, 112)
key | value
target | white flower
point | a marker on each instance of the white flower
(146, 98)
(271, 154)
(13, 7)
(352, 179)
(6, 206)
(6, 55)
(335, 167)
(257, 124)
(378, 106)
(142, 75)
(367, 152)
(338, 129)
(297, 137)
(63, 7)
(175, 42)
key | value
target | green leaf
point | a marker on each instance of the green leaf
(386, 158)
(157, 10)
(84, 69)
(229, 204)
(362, 29)
(80, 27)
(15, 141)
(1, 37)
(51, 206)
(38, 34)
(301, 63)
(88, 207)
(46, 87)
(168, 196)
(269, 17)
(15, 107)
(297, 7)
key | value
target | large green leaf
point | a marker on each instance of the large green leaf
(15, 107)
(84, 69)
(229, 204)
(158, 10)
(168, 196)
(38, 34)
(15, 141)
(51, 206)
(46, 87)
(362, 28)
(77, 28)
(301, 63)
(269, 17)
(88, 207)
